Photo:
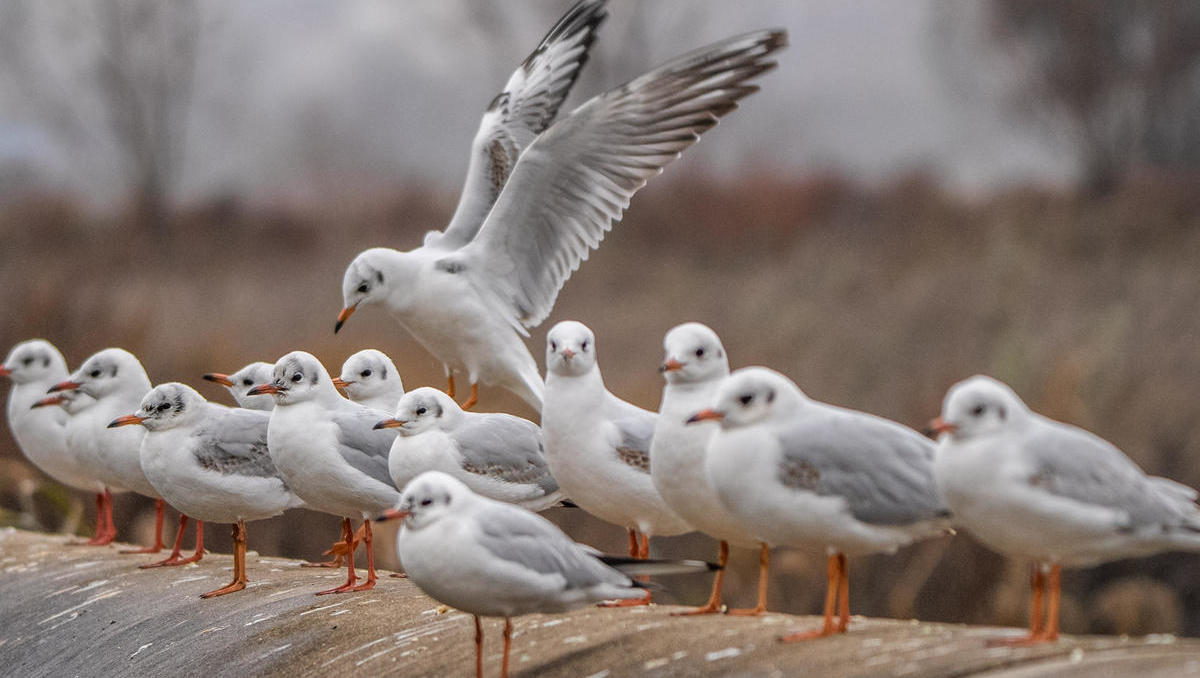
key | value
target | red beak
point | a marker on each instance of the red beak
(127, 420)
(939, 426)
(339, 382)
(263, 389)
(222, 379)
(4, 371)
(567, 354)
(393, 514)
(706, 415)
(389, 423)
(670, 365)
(64, 386)
(48, 400)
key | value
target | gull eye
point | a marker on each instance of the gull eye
(364, 374)
(95, 374)
(163, 407)
(421, 410)
(297, 377)
(583, 346)
(247, 382)
(27, 361)
(553, 345)
(977, 410)
(700, 353)
(363, 288)
(426, 501)
(746, 399)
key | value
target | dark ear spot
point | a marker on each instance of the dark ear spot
(114, 372)
(446, 499)
(439, 410)
(379, 276)
(383, 372)
(1000, 411)
(771, 396)
(45, 362)
(314, 377)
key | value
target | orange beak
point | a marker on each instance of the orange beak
(222, 379)
(64, 386)
(567, 354)
(343, 317)
(49, 400)
(262, 389)
(127, 420)
(393, 514)
(670, 365)
(706, 415)
(939, 426)
(389, 423)
(339, 382)
(4, 371)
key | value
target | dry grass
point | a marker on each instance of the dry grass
(877, 300)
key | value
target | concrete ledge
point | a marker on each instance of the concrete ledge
(76, 610)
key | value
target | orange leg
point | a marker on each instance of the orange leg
(833, 572)
(1040, 632)
(450, 392)
(644, 551)
(714, 599)
(239, 563)
(471, 401)
(104, 533)
(159, 507)
(764, 563)
(351, 577)
(633, 543)
(627, 602)
(176, 557)
(338, 551)
(478, 645)
(843, 594)
(368, 543)
(507, 647)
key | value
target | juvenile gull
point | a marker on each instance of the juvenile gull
(597, 445)
(240, 382)
(1037, 489)
(327, 452)
(494, 559)
(471, 303)
(370, 378)
(210, 463)
(496, 455)
(803, 473)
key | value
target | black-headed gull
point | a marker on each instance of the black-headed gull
(210, 463)
(470, 305)
(370, 378)
(804, 473)
(494, 559)
(597, 445)
(327, 452)
(117, 381)
(1037, 489)
(695, 365)
(497, 455)
(240, 382)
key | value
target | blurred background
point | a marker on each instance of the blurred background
(921, 192)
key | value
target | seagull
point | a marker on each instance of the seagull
(1037, 489)
(117, 381)
(242, 381)
(499, 456)
(493, 559)
(471, 295)
(33, 367)
(370, 378)
(327, 453)
(597, 445)
(803, 473)
(694, 366)
(211, 463)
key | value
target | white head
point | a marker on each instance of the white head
(752, 395)
(423, 409)
(166, 406)
(298, 377)
(367, 280)
(110, 372)
(239, 384)
(33, 361)
(693, 353)
(979, 406)
(570, 349)
(370, 374)
(430, 497)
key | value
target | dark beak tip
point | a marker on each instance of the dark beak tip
(376, 427)
(338, 326)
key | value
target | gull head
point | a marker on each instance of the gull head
(33, 360)
(164, 407)
(430, 497)
(369, 373)
(297, 377)
(979, 406)
(239, 384)
(420, 410)
(693, 353)
(570, 349)
(365, 281)
(752, 395)
(113, 370)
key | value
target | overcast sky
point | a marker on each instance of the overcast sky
(295, 96)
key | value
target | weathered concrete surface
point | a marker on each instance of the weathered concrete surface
(84, 611)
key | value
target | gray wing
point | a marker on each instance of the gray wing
(883, 470)
(505, 447)
(519, 536)
(525, 108)
(636, 429)
(576, 179)
(360, 444)
(234, 442)
(1072, 463)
